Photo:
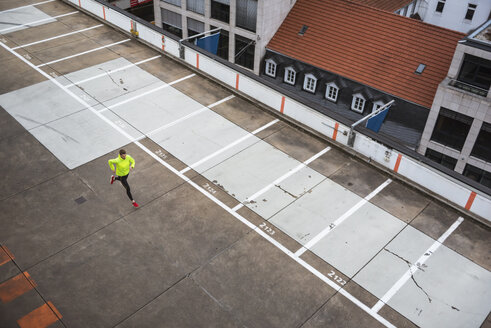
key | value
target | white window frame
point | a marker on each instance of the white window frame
(306, 83)
(443, 7)
(377, 105)
(328, 91)
(286, 79)
(358, 106)
(270, 68)
(469, 8)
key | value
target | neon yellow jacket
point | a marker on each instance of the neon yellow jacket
(122, 166)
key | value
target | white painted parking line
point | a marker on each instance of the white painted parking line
(201, 110)
(113, 71)
(146, 93)
(84, 53)
(35, 22)
(283, 177)
(258, 230)
(236, 142)
(343, 217)
(17, 8)
(57, 37)
(426, 255)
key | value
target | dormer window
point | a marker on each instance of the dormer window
(309, 83)
(377, 105)
(290, 75)
(358, 103)
(332, 91)
(270, 68)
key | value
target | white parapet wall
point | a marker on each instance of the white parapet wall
(429, 178)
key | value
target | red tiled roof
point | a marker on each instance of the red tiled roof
(376, 48)
(387, 5)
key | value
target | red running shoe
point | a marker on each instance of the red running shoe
(135, 204)
(112, 179)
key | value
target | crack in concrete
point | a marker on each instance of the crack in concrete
(410, 270)
(109, 75)
(223, 306)
(286, 191)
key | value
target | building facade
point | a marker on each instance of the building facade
(247, 25)
(458, 130)
(458, 15)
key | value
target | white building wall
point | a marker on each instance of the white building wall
(453, 15)
(270, 15)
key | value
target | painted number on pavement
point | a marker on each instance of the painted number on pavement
(337, 279)
(161, 154)
(265, 227)
(209, 188)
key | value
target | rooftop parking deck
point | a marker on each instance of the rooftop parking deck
(244, 220)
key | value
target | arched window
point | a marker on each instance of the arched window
(270, 68)
(290, 75)
(309, 83)
(332, 91)
(358, 103)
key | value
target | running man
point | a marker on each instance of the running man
(121, 167)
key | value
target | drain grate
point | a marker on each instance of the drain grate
(80, 200)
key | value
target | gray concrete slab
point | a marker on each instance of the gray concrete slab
(166, 69)
(286, 192)
(43, 32)
(252, 269)
(203, 90)
(353, 243)
(155, 110)
(38, 231)
(25, 163)
(8, 125)
(77, 22)
(115, 84)
(54, 8)
(295, 143)
(469, 239)
(247, 115)
(200, 136)
(472, 241)
(8, 5)
(396, 258)
(15, 20)
(251, 170)
(31, 108)
(396, 318)
(78, 62)
(339, 312)
(184, 305)
(17, 75)
(115, 269)
(331, 162)
(460, 293)
(401, 201)
(315, 211)
(359, 178)
(68, 138)
(269, 228)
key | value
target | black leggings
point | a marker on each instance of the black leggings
(125, 184)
